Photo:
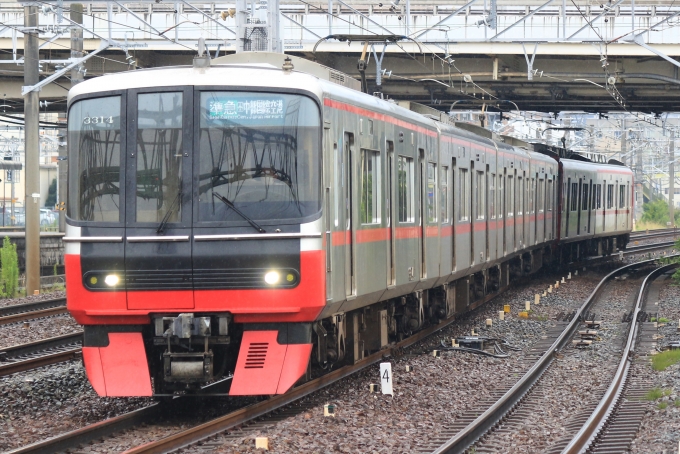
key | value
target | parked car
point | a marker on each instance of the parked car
(46, 217)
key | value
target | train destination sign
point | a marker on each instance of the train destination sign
(245, 109)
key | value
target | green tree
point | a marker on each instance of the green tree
(52, 194)
(9, 273)
(657, 212)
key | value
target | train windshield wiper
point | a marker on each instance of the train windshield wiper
(228, 203)
(171, 209)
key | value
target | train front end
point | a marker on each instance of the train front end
(193, 243)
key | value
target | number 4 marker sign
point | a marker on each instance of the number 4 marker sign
(386, 378)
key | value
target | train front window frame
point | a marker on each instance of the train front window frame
(281, 186)
(96, 141)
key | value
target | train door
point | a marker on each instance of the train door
(502, 201)
(510, 206)
(424, 209)
(590, 202)
(348, 187)
(479, 227)
(616, 206)
(487, 211)
(159, 200)
(464, 202)
(578, 205)
(406, 244)
(519, 215)
(391, 224)
(454, 215)
(567, 208)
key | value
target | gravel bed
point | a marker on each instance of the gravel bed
(41, 403)
(38, 329)
(427, 400)
(32, 298)
(660, 429)
(577, 378)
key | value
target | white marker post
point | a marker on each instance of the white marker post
(386, 378)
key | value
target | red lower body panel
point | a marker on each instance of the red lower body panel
(266, 367)
(120, 369)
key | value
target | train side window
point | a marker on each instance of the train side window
(541, 196)
(598, 197)
(492, 196)
(481, 196)
(520, 193)
(405, 188)
(501, 195)
(444, 194)
(548, 194)
(464, 196)
(370, 187)
(431, 192)
(574, 197)
(511, 196)
(610, 196)
(584, 197)
(622, 196)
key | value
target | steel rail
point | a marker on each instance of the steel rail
(17, 364)
(487, 420)
(239, 417)
(584, 437)
(33, 306)
(648, 247)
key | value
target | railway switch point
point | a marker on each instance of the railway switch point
(329, 410)
(537, 298)
(489, 322)
(506, 308)
(262, 443)
(527, 305)
(501, 316)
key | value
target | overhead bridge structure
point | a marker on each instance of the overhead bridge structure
(547, 56)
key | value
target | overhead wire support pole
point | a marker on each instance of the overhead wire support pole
(462, 8)
(32, 150)
(591, 22)
(522, 19)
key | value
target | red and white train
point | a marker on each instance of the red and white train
(247, 218)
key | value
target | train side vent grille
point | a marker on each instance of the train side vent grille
(338, 77)
(257, 353)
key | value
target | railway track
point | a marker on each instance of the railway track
(41, 353)
(477, 425)
(28, 311)
(640, 235)
(614, 421)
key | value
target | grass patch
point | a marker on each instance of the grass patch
(649, 225)
(654, 393)
(665, 359)
(677, 403)
(663, 320)
(662, 405)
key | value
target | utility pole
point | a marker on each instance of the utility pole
(32, 150)
(671, 179)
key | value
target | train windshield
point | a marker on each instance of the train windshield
(261, 152)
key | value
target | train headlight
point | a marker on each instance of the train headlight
(111, 280)
(272, 277)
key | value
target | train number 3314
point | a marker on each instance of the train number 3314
(97, 120)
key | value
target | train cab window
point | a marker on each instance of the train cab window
(574, 197)
(464, 196)
(492, 196)
(405, 175)
(622, 196)
(260, 152)
(159, 157)
(370, 187)
(584, 197)
(94, 140)
(481, 195)
(510, 204)
(444, 194)
(431, 195)
(610, 196)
